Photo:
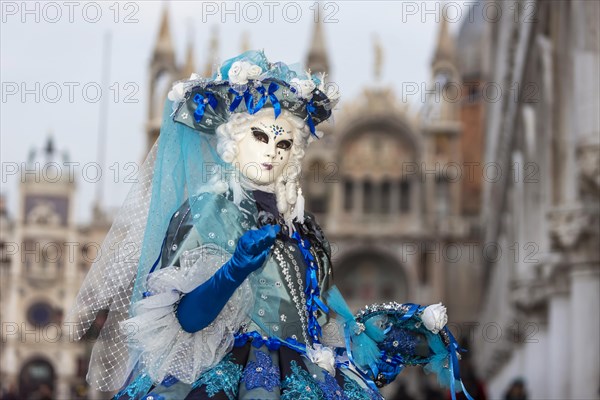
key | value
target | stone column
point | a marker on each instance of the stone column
(559, 323)
(585, 328)
(63, 388)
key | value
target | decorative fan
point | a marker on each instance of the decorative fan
(381, 339)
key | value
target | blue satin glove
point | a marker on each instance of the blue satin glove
(198, 308)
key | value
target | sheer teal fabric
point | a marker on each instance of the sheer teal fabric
(186, 165)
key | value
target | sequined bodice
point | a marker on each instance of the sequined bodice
(280, 299)
(280, 308)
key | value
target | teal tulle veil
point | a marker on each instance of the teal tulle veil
(186, 164)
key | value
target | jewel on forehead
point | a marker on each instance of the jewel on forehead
(277, 130)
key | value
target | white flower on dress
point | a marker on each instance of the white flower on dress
(241, 71)
(434, 317)
(304, 87)
(323, 356)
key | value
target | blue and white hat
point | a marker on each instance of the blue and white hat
(248, 83)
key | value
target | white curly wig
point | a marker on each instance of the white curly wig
(286, 186)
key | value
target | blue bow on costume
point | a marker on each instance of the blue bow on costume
(202, 101)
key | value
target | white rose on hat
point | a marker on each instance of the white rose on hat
(241, 71)
(304, 87)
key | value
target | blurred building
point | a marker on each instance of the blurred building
(543, 136)
(44, 258)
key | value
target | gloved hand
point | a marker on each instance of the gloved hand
(198, 308)
(252, 250)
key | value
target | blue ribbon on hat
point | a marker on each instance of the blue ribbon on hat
(237, 100)
(270, 94)
(202, 101)
(249, 99)
(310, 108)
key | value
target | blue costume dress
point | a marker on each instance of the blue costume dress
(266, 360)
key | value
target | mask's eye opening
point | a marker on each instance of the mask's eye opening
(284, 144)
(259, 134)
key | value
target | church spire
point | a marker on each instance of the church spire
(164, 45)
(245, 42)
(49, 148)
(317, 60)
(444, 50)
(213, 52)
(189, 66)
(378, 58)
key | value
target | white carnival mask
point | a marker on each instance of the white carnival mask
(265, 149)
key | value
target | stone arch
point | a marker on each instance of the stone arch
(367, 276)
(37, 378)
(377, 158)
(392, 126)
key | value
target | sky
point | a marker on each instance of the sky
(52, 56)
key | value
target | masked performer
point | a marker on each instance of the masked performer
(217, 282)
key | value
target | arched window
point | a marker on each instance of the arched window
(36, 378)
(385, 199)
(405, 196)
(348, 195)
(368, 197)
(425, 260)
(376, 157)
(442, 196)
